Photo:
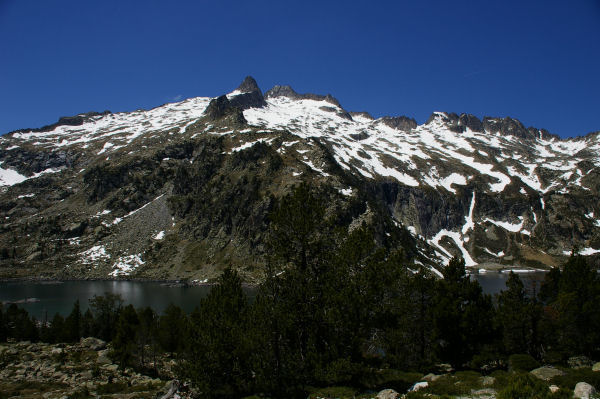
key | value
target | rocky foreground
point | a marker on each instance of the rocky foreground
(85, 370)
(38, 370)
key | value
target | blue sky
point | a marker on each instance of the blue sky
(537, 61)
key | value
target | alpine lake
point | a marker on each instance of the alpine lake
(42, 299)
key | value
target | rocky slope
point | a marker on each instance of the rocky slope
(184, 189)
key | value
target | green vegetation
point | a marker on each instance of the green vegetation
(342, 309)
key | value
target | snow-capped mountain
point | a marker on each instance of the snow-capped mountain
(183, 189)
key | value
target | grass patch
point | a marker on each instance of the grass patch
(399, 381)
(522, 362)
(526, 386)
(573, 376)
(459, 384)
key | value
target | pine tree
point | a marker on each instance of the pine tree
(462, 315)
(56, 329)
(72, 332)
(517, 318)
(146, 335)
(2, 325)
(106, 310)
(217, 357)
(172, 325)
(124, 344)
(87, 324)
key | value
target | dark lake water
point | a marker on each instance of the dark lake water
(46, 298)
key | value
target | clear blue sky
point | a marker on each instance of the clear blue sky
(537, 61)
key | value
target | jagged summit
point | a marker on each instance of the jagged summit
(287, 91)
(505, 126)
(248, 85)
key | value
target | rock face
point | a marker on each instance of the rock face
(388, 394)
(583, 390)
(92, 343)
(403, 123)
(183, 190)
(546, 373)
(578, 362)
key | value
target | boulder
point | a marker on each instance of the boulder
(92, 343)
(485, 393)
(431, 377)
(583, 390)
(553, 388)
(596, 367)
(579, 362)
(56, 351)
(418, 386)
(387, 394)
(103, 359)
(546, 373)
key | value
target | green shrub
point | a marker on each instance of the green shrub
(459, 384)
(397, 380)
(522, 362)
(334, 393)
(553, 357)
(573, 376)
(502, 378)
(526, 386)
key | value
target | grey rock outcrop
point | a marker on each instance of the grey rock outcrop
(546, 373)
(583, 390)
(403, 123)
(287, 91)
(387, 394)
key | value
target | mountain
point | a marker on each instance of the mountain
(185, 189)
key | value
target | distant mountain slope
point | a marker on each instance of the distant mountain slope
(184, 189)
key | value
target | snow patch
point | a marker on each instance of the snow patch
(93, 255)
(126, 264)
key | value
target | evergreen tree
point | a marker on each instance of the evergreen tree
(573, 314)
(409, 339)
(106, 310)
(56, 330)
(217, 357)
(3, 328)
(517, 317)
(72, 332)
(87, 324)
(19, 325)
(463, 315)
(146, 336)
(171, 329)
(124, 344)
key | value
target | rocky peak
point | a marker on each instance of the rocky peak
(287, 91)
(248, 85)
(470, 121)
(282, 91)
(220, 108)
(247, 95)
(507, 127)
(362, 114)
(403, 123)
(76, 120)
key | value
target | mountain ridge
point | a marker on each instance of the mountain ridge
(492, 191)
